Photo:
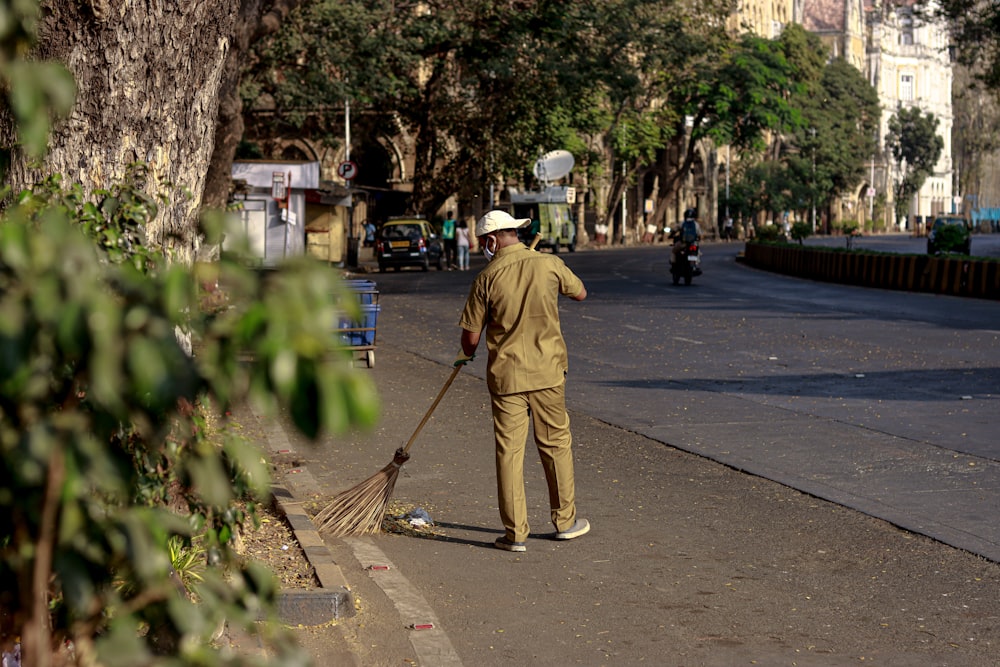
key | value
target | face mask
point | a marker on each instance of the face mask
(486, 248)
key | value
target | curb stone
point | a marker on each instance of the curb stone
(333, 600)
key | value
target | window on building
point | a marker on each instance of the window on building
(906, 87)
(906, 29)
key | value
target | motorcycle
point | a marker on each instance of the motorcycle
(687, 264)
(685, 255)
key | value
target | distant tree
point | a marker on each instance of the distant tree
(733, 94)
(763, 188)
(975, 29)
(801, 231)
(828, 132)
(827, 152)
(638, 55)
(613, 82)
(477, 86)
(852, 112)
(976, 131)
(914, 144)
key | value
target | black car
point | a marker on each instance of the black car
(949, 233)
(408, 242)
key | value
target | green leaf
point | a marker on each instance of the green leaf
(121, 645)
(39, 91)
(178, 292)
(147, 367)
(247, 458)
(210, 481)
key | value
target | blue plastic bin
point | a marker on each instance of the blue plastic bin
(361, 334)
(365, 290)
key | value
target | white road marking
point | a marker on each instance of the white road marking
(431, 645)
(689, 340)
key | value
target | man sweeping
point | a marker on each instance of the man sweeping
(515, 301)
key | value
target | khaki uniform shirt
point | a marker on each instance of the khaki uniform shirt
(515, 299)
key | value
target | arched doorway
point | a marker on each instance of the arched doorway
(377, 171)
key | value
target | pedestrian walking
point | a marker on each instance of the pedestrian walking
(515, 301)
(463, 245)
(448, 236)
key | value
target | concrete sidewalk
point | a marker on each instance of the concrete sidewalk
(689, 562)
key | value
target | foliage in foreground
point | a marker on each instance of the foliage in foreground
(102, 444)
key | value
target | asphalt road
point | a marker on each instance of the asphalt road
(857, 414)
(744, 366)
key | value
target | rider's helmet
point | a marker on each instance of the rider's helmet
(691, 214)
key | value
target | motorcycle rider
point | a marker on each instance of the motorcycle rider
(688, 232)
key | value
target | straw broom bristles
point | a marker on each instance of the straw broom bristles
(359, 509)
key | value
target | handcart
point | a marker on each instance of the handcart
(359, 335)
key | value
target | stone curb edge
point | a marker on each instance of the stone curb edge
(333, 600)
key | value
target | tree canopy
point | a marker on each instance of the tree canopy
(975, 28)
(828, 140)
(475, 84)
(916, 147)
(485, 88)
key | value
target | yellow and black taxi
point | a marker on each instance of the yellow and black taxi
(408, 242)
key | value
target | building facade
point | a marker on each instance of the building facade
(906, 60)
(909, 65)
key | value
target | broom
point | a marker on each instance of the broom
(359, 510)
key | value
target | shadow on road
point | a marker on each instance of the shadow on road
(908, 385)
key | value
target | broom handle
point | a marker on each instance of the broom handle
(430, 410)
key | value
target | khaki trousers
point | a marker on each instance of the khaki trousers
(554, 441)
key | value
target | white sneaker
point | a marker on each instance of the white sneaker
(507, 545)
(581, 527)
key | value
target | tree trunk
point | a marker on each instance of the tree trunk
(618, 185)
(148, 77)
(582, 239)
(429, 150)
(252, 24)
(686, 146)
(672, 175)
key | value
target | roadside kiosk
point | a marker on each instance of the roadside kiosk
(270, 224)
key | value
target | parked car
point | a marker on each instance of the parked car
(949, 233)
(408, 242)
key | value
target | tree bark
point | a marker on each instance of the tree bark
(686, 146)
(152, 79)
(253, 23)
(148, 77)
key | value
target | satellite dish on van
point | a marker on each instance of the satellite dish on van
(553, 165)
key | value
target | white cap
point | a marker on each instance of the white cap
(496, 220)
